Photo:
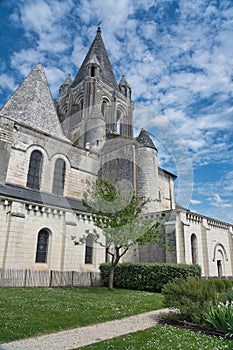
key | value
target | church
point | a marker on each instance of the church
(51, 149)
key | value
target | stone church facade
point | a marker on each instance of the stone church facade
(50, 149)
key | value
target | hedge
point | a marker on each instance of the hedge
(147, 276)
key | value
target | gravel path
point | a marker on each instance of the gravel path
(82, 336)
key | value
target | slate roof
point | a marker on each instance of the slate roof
(145, 139)
(114, 144)
(37, 197)
(32, 104)
(98, 51)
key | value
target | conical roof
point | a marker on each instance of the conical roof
(98, 51)
(145, 139)
(32, 104)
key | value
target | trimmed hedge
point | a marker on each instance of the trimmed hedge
(147, 276)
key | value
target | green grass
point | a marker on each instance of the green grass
(163, 337)
(32, 311)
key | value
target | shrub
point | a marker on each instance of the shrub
(147, 276)
(190, 296)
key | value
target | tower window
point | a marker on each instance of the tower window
(118, 124)
(42, 246)
(59, 177)
(105, 109)
(78, 106)
(92, 71)
(35, 169)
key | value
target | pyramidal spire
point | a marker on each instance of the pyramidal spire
(98, 52)
(32, 104)
(145, 139)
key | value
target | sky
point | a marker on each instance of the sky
(177, 56)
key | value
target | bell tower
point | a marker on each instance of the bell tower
(96, 107)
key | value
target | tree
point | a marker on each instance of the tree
(117, 211)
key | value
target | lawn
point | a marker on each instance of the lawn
(32, 311)
(163, 337)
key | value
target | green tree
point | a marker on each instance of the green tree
(117, 211)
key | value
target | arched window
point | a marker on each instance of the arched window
(194, 248)
(35, 169)
(103, 107)
(118, 125)
(89, 250)
(78, 106)
(42, 246)
(59, 177)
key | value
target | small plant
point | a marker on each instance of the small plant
(220, 316)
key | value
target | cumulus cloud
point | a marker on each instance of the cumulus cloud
(176, 55)
(218, 201)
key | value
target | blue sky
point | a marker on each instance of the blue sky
(177, 55)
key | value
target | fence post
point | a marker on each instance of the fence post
(72, 279)
(50, 278)
(25, 278)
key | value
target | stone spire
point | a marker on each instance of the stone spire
(32, 104)
(98, 53)
(145, 139)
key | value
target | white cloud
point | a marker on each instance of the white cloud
(24, 60)
(217, 201)
(7, 82)
(176, 55)
(195, 201)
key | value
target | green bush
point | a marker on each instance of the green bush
(147, 276)
(192, 297)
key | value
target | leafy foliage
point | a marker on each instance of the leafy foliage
(147, 276)
(220, 316)
(192, 297)
(116, 210)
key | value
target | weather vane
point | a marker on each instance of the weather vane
(99, 29)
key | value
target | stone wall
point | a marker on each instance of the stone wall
(214, 243)
(21, 223)
(81, 165)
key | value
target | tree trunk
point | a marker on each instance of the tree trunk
(111, 276)
(115, 261)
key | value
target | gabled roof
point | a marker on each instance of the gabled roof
(98, 51)
(145, 139)
(32, 104)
